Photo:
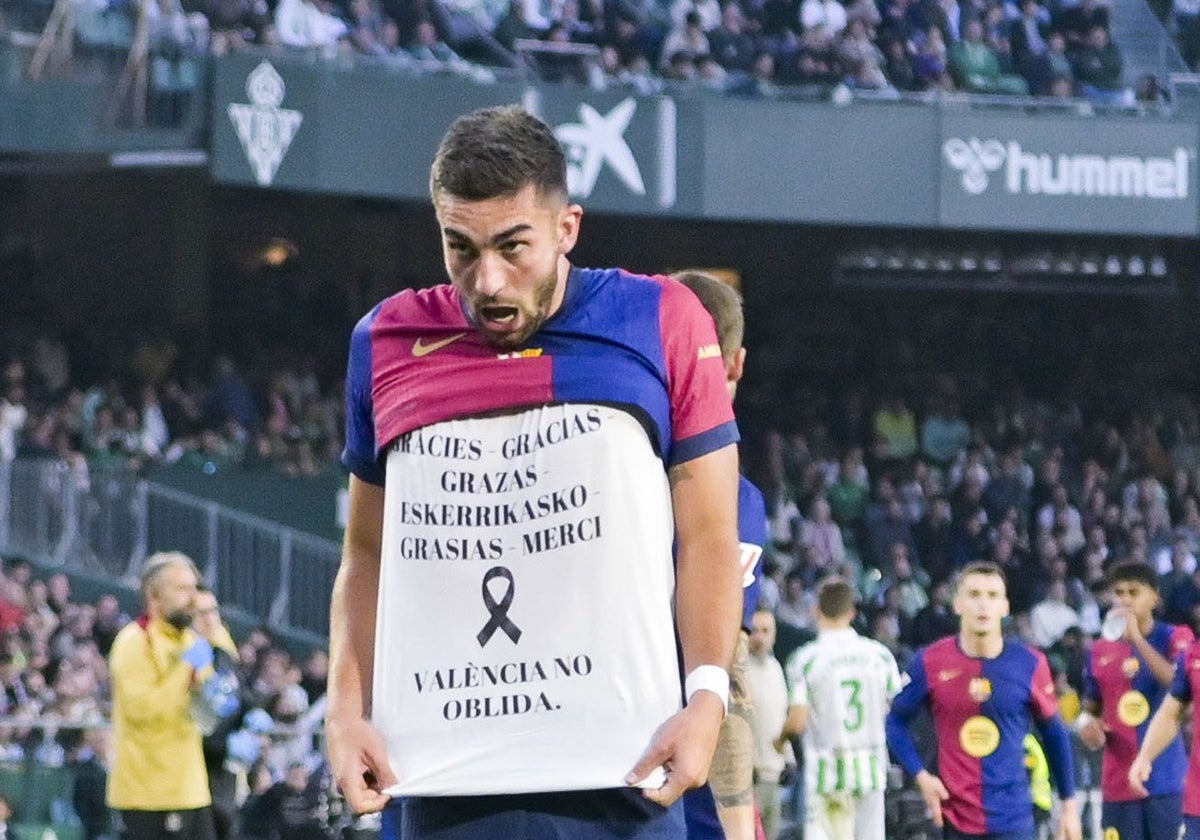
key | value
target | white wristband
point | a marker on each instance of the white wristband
(1082, 720)
(712, 678)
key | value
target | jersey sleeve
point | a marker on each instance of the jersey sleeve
(701, 411)
(892, 681)
(1091, 688)
(914, 694)
(359, 455)
(1181, 639)
(1181, 686)
(752, 536)
(1043, 699)
(797, 678)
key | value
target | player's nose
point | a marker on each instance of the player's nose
(490, 277)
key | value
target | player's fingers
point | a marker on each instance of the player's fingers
(665, 795)
(942, 793)
(935, 811)
(367, 801)
(380, 770)
(655, 756)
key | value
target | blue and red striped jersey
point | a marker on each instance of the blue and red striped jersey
(1185, 688)
(982, 710)
(1120, 682)
(643, 343)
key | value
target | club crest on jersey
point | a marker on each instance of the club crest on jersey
(530, 353)
(1130, 667)
(979, 689)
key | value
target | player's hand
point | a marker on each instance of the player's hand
(199, 654)
(358, 757)
(1133, 632)
(1093, 734)
(683, 746)
(1139, 772)
(1070, 827)
(934, 793)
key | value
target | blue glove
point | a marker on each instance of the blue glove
(243, 747)
(199, 655)
(259, 722)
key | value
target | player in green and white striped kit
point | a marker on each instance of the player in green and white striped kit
(841, 685)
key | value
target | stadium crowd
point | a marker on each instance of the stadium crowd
(1055, 48)
(55, 704)
(893, 488)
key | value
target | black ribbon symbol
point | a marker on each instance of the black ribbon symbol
(498, 610)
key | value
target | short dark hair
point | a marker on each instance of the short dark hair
(835, 598)
(1133, 571)
(724, 304)
(980, 567)
(495, 152)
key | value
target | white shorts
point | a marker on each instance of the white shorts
(845, 816)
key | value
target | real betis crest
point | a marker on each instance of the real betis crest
(265, 129)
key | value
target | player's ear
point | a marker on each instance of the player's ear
(568, 227)
(736, 366)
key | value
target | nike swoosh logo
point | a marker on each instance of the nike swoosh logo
(420, 349)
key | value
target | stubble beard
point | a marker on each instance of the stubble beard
(534, 317)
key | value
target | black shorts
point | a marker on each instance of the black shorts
(191, 824)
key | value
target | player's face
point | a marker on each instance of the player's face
(1136, 597)
(981, 604)
(762, 633)
(507, 256)
(174, 594)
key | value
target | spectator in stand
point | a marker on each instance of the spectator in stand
(895, 429)
(519, 22)
(732, 45)
(90, 766)
(905, 582)
(315, 674)
(1186, 15)
(884, 532)
(860, 59)
(898, 65)
(934, 537)
(828, 13)
(936, 619)
(306, 24)
(709, 12)
(1179, 588)
(13, 416)
(109, 620)
(796, 604)
(687, 41)
(821, 541)
(850, 492)
(931, 60)
(373, 33)
(1052, 616)
(975, 66)
(944, 433)
(429, 50)
(288, 809)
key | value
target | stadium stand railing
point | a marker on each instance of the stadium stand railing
(105, 523)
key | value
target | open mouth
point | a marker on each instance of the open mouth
(499, 314)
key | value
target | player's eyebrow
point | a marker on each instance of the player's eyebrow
(507, 233)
